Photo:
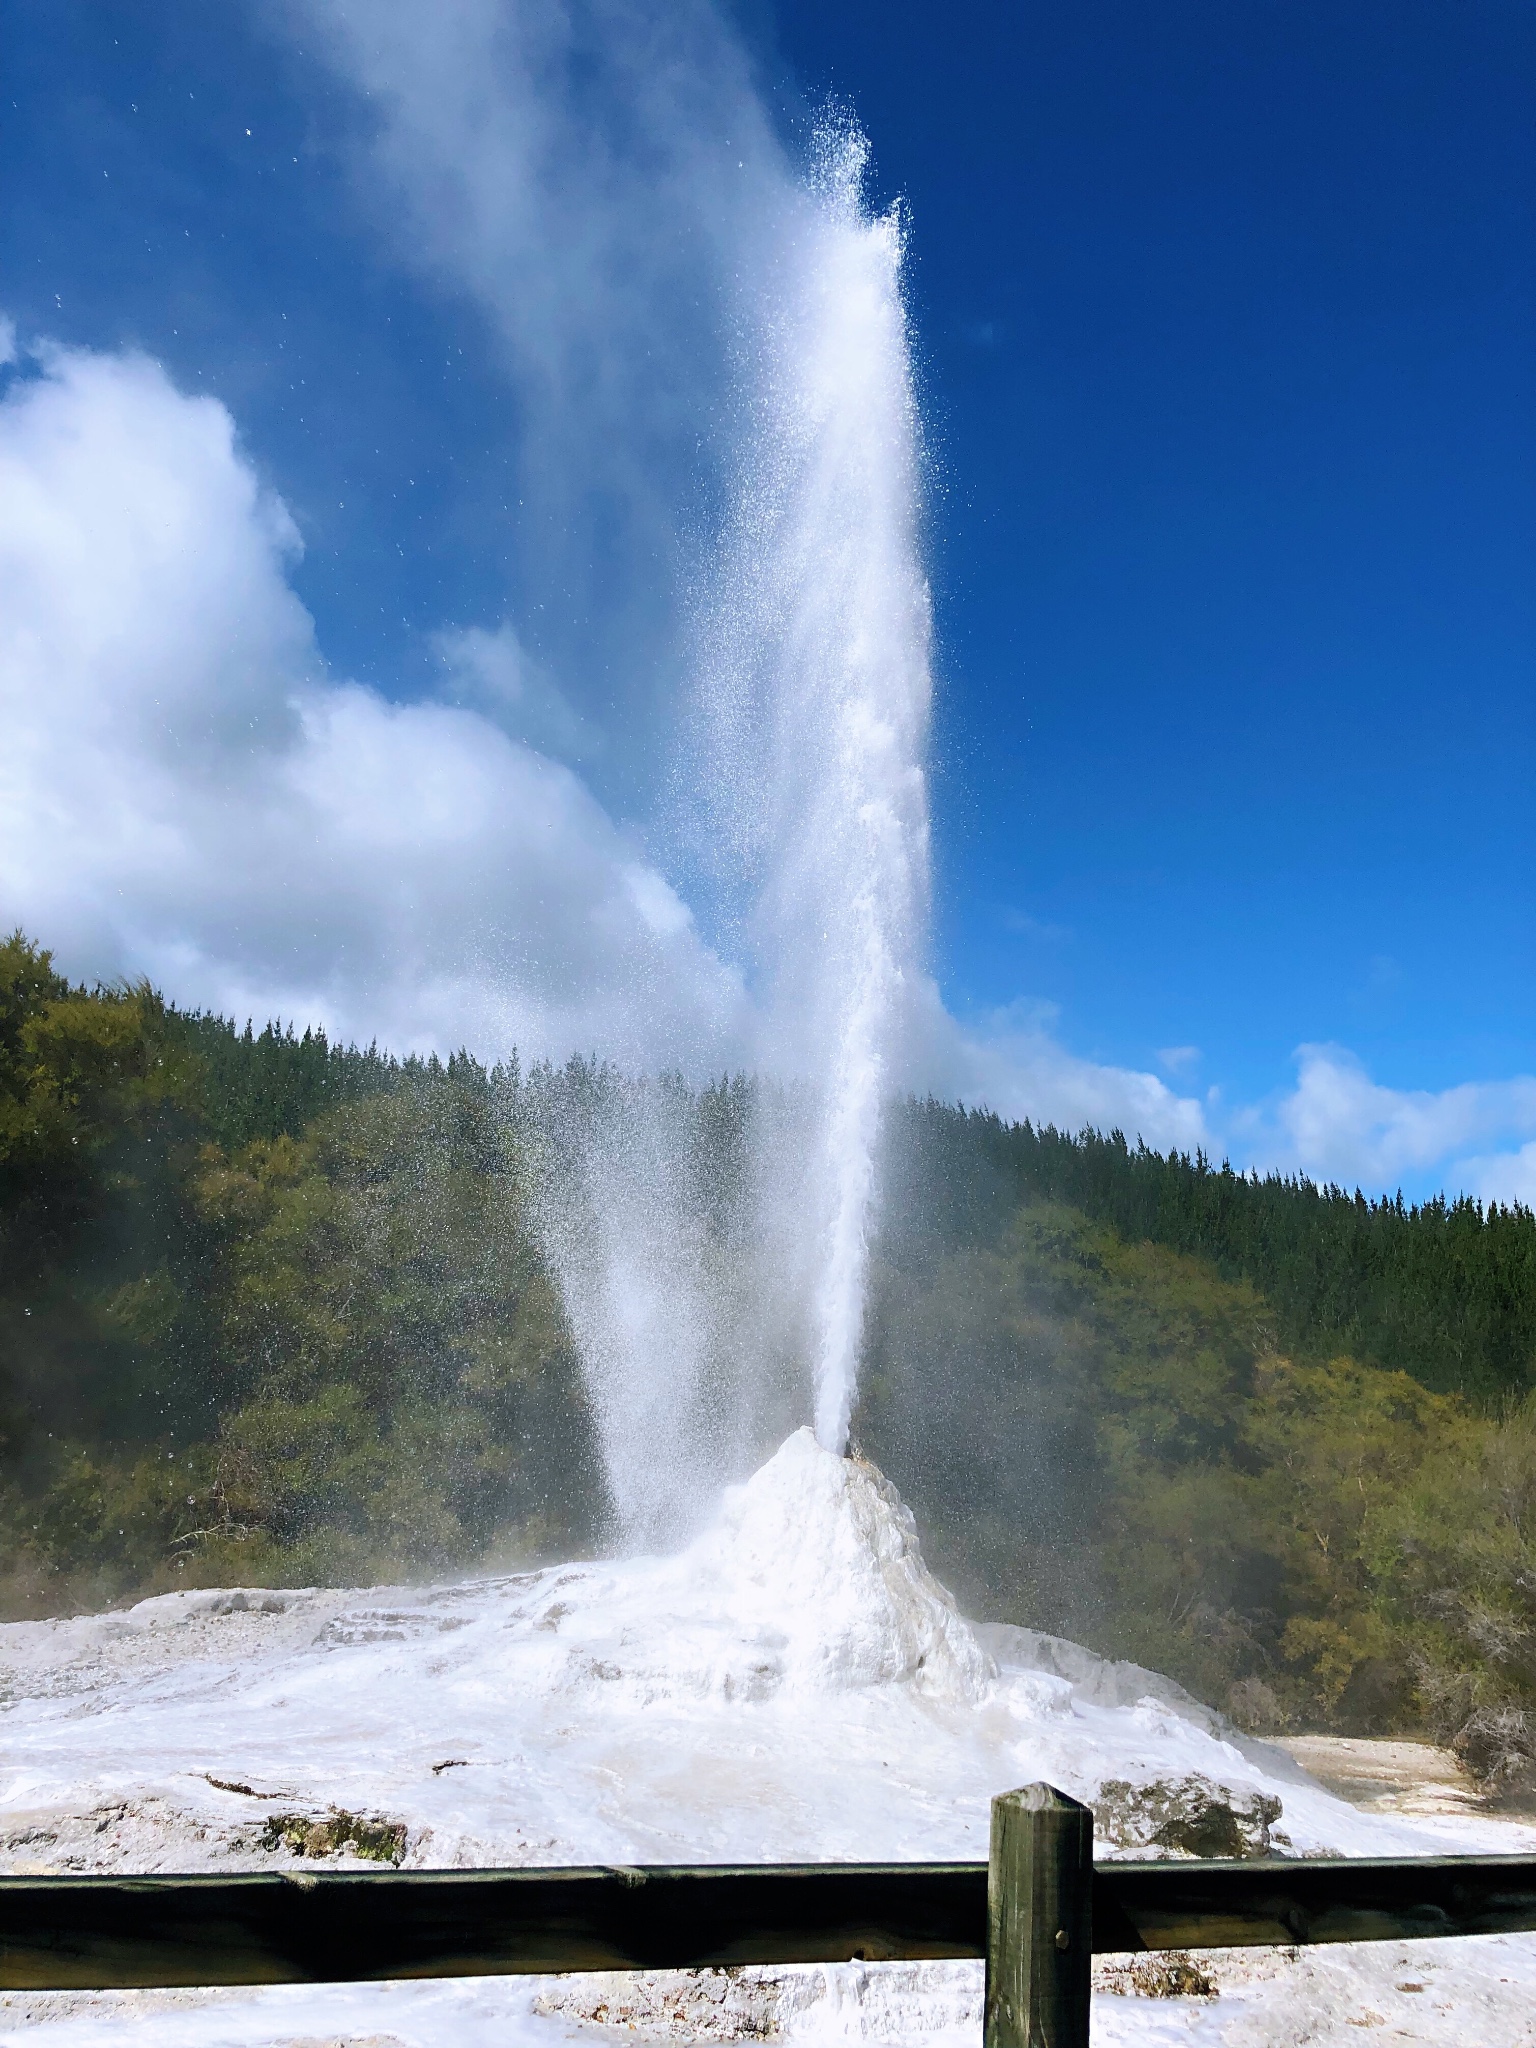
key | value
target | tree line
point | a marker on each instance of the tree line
(272, 1311)
(1444, 1290)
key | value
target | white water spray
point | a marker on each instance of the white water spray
(705, 340)
(817, 686)
(716, 1286)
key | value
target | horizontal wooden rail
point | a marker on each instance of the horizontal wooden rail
(1275, 1903)
(295, 1927)
(299, 1928)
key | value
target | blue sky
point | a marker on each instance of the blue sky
(1227, 314)
(1224, 321)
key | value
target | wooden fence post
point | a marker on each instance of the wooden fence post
(1039, 1920)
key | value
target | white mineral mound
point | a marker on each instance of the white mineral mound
(795, 1685)
(813, 1570)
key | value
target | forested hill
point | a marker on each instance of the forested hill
(272, 1312)
(273, 1083)
(268, 1307)
(1445, 1290)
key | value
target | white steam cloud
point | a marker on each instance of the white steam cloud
(720, 342)
(598, 184)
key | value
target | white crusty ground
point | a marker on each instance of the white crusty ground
(794, 1686)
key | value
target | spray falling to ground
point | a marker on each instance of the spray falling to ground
(817, 689)
(714, 1256)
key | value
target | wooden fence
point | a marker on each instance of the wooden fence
(1038, 1911)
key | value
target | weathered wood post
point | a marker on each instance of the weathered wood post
(1039, 1920)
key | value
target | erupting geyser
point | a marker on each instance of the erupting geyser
(820, 689)
(812, 692)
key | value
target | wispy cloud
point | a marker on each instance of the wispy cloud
(1010, 1060)
(1499, 1176)
(494, 674)
(1178, 1059)
(601, 188)
(1335, 1124)
(1026, 925)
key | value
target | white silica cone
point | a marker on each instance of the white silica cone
(821, 1552)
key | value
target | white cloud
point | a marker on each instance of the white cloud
(1010, 1061)
(185, 792)
(1507, 1177)
(601, 188)
(1337, 1124)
